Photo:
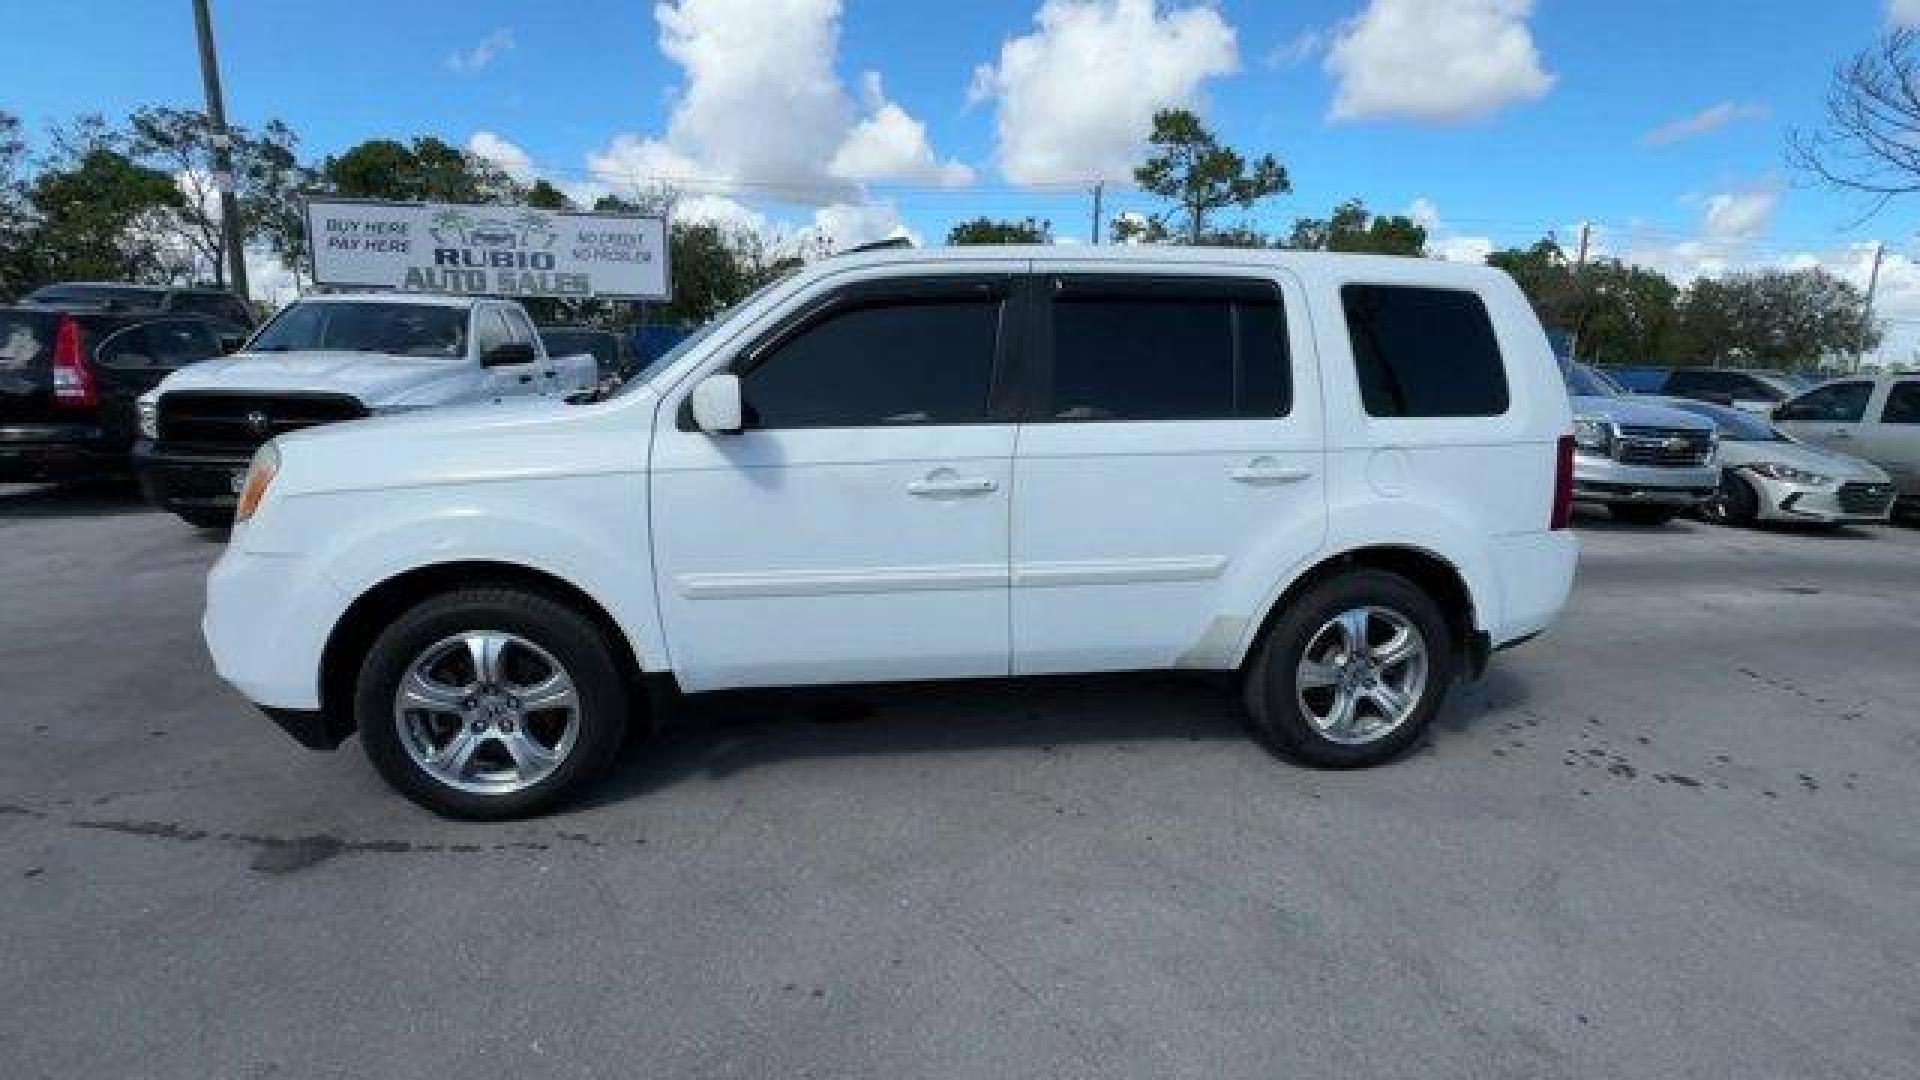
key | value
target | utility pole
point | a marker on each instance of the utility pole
(1873, 286)
(1580, 316)
(222, 153)
(1099, 188)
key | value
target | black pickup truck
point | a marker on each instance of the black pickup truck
(69, 380)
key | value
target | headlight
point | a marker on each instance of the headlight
(149, 418)
(260, 474)
(1774, 470)
(1593, 433)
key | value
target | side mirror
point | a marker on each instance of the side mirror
(231, 342)
(508, 353)
(716, 403)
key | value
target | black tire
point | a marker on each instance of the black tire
(1271, 680)
(1639, 514)
(1736, 503)
(570, 637)
(207, 519)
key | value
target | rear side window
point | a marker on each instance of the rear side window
(1424, 352)
(1167, 349)
(163, 343)
(1835, 403)
(217, 305)
(24, 339)
(1903, 404)
(880, 361)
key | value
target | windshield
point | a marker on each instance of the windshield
(1736, 425)
(1583, 381)
(646, 374)
(370, 326)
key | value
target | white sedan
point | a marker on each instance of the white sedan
(1767, 476)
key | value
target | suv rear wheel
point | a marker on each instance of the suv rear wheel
(491, 703)
(1352, 673)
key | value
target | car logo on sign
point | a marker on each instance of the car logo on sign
(259, 423)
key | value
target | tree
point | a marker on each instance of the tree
(1351, 228)
(1190, 169)
(1775, 318)
(544, 196)
(15, 259)
(267, 179)
(1870, 141)
(983, 230)
(94, 213)
(428, 170)
(1605, 311)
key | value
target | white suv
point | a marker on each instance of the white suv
(1345, 477)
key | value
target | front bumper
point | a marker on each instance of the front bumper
(1604, 480)
(267, 622)
(1781, 500)
(50, 453)
(199, 480)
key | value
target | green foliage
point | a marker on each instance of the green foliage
(1351, 228)
(1615, 313)
(94, 213)
(1190, 169)
(985, 230)
(428, 170)
(16, 268)
(545, 196)
(267, 176)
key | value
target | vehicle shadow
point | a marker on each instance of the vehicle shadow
(714, 736)
(92, 499)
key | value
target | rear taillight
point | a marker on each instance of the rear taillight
(1563, 483)
(72, 378)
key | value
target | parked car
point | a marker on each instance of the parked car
(1750, 389)
(611, 355)
(1874, 418)
(1645, 462)
(329, 358)
(1636, 378)
(1767, 476)
(908, 465)
(233, 320)
(68, 381)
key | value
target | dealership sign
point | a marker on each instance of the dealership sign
(496, 250)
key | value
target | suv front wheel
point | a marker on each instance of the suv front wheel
(1352, 673)
(491, 703)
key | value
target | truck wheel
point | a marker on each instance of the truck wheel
(1351, 674)
(491, 703)
(1638, 514)
(1734, 504)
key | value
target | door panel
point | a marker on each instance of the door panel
(858, 529)
(1138, 541)
(1829, 415)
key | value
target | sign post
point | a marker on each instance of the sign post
(491, 250)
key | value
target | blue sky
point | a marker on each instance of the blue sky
(1559, 133)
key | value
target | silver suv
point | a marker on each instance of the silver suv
(1645, 463)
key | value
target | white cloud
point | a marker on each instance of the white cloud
(1709, 119)
(1739, 217)
(1442, 241)
(762, 112)
(1903, 12)
(482, 55)
(508, 157)
(888, 144)
(845, 225)
(1435, 60)
(1076, 97)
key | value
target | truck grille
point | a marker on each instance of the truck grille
(244, 421)
(1668, 448)
(1865, 498)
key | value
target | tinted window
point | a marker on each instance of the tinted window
(1424, 352)
(1903, 404)
(371, 327)
(602, 346)
(1583, 381)
(1701, 382)
(884, 362)
(1178, 349)
(24, 338)
(215, 304)
(167, 343)
(1835, 403)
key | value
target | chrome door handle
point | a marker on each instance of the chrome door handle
(946, 482)
(1265, 470)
